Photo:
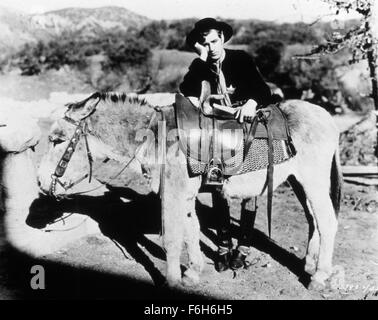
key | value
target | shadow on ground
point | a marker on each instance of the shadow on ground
(68, 282)
(259, 241)
(127, 223)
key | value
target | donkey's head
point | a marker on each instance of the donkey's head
(101, 127)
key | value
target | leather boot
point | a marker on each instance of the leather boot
(223, 258)
(238, 257)
(214, 174)
(224, 241)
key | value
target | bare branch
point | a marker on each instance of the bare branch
(362, 7)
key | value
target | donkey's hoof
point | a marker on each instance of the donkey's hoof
(310, 269)
(190, 278)
(316, 286)
(172, 283)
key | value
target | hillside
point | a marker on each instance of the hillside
(15, 29)
(18, 28)
(92, 20)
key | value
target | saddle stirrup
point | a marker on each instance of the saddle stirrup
(214, 175)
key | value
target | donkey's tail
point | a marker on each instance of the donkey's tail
(336, 182)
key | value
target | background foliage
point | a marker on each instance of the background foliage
(155, 58)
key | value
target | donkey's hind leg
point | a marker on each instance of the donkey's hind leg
(317, 192)
(312, 252)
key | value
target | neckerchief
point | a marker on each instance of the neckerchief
(220, 80)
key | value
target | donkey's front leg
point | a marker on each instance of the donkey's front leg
(192, 242)
(173, 235)
(179, 219)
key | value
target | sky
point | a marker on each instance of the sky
(274, 10)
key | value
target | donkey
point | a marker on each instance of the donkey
(113, 121)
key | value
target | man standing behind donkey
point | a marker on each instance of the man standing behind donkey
(233, 74)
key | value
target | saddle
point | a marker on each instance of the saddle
(204, 138)
(196, 132)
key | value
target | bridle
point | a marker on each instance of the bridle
(82, 129)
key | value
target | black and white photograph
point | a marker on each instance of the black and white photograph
(186, 155)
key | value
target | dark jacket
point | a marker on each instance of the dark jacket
(239, 71)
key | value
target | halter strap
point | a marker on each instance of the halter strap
(81, 129)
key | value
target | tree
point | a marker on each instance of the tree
(153, 33)
(268, 57)
(363, 40)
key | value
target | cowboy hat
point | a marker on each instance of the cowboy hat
(205, 25)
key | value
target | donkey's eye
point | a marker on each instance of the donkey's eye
(56, 140)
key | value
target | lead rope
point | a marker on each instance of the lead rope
(63, 219)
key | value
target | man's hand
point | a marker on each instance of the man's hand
(206, 108)
(247, 110)
(194, 101)
(202, 51)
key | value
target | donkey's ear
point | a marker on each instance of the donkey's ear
(83, 109)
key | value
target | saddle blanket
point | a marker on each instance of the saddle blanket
(255, 159)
